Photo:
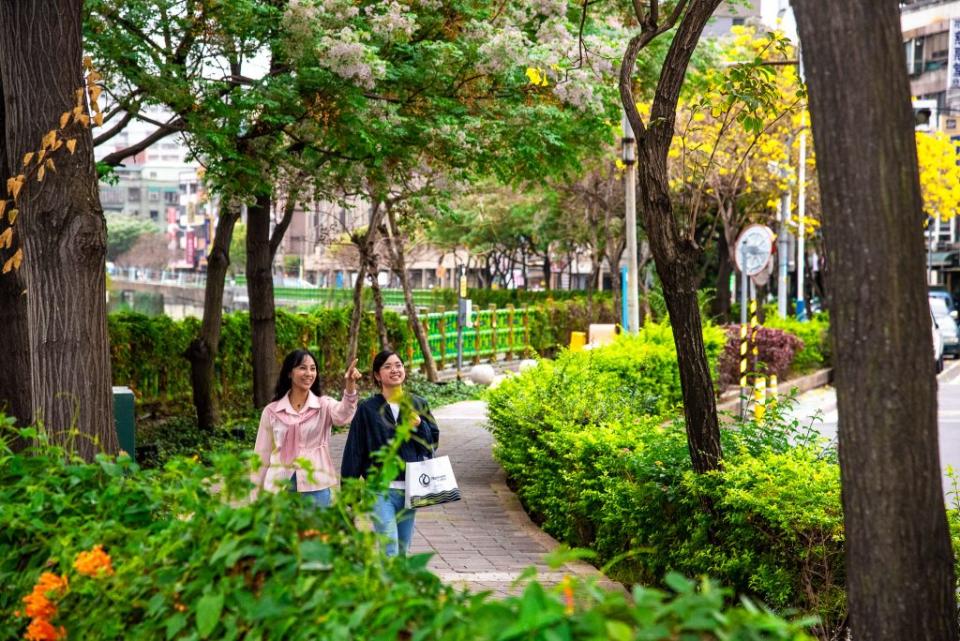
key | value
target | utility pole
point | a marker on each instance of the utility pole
(801, 211)
(630, 222)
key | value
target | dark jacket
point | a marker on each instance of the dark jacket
(373, 427)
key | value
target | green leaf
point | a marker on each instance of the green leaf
(208, 613)
(619, 631)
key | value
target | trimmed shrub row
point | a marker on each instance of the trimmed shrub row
(585, 444)
(147, 351)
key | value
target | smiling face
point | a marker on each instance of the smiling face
(391, 374)
(303, 375)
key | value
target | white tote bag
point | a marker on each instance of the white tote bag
(430, 482)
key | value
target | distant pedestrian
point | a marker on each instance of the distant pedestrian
(373, 427)
(296, 425)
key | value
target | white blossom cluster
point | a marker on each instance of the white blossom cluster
(346, 56)
(391, 22)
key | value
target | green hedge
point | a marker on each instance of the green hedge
(147, 351)
(815, 334)
(584, 442)
(189, 562)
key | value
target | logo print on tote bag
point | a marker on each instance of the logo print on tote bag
(424, 480)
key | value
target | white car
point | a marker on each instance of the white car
(937, 344)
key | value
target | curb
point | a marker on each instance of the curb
(730, 399)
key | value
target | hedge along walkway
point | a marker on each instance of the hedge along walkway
(485, 540)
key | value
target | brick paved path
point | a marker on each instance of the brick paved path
(485, 540)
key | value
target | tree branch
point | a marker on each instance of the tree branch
(119, 156)
(288, 207)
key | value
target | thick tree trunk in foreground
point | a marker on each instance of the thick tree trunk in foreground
(400, 269)
(674, 249)
(202, 352)
(260, 292)
(900, 578)
(14, 339)
(61, 226)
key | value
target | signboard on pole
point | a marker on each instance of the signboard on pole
(753, 249)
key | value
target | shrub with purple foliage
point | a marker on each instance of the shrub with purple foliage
(777, 349)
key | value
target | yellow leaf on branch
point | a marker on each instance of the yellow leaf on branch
(14, 185)
(98, 119)
(6, 238)
(14, 262)
(84, 120)
(71, 145)
(48, 139)
(64, 119)
(12, 216)
(41, 173)
(27, 157)
(3, 207)
(87, 63)
(50, 165)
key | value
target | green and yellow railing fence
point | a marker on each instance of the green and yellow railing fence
(496, 334)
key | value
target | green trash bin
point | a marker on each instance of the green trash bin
(124, 419)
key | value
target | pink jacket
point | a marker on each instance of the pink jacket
(286, 435)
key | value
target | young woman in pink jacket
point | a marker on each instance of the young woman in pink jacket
(296, 425)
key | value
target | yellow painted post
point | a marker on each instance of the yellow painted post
(577, 341)
(743, 372)
(443, 335)
(754, 328)
(493, 333)
(759, 397)
(774, 391)
(510, 310)
(477, 322)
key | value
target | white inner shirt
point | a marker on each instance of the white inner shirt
(395, 408)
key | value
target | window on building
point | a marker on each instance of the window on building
(154, 214)
(937, 50)
(133, 194)
(738, 21)
(153, 196)
(171, 197)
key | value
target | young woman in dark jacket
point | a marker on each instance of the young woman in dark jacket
(374, 425)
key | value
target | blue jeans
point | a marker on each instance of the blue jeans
(393, 521)
(321, 498)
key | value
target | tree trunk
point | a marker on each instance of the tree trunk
(400, 269)
(547, 268)
(260, 292)
(202, 351)
(721, 303)
(900, 572)
(373, 273)
(60, 227)
(643, 264)
(365, 246)
(15, 338)
(674, 250)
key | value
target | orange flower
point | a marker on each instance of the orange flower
(95, 563)
(43, 630)
(51, 583)
(39, 606)
(567, 595)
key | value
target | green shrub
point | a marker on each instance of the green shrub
(815, 334)
(584, 443)
(192, 558)
(147, 353)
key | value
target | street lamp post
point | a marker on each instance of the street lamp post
(629, 157)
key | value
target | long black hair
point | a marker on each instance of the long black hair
(378, 362)
(293, 360)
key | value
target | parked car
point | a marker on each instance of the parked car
(936, 291)
(937, 343)
(946, 321)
